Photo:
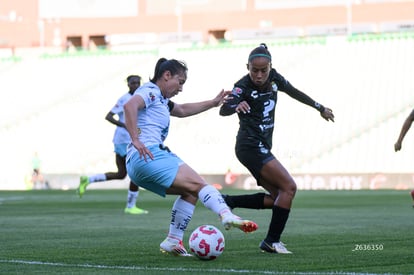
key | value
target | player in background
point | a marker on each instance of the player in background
(38, 180)
(153, 166)
(254, 99)
(404, 129)
(120, 140)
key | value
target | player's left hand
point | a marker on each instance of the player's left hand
(327, 114)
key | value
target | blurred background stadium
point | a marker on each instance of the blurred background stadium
(63, 65)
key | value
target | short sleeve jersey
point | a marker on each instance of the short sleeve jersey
(154, 120)
(257, 126)
(121, 135)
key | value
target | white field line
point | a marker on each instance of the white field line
(11, 199)
(200, 270)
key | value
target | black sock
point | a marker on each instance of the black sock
(277, 224)
(251, 201)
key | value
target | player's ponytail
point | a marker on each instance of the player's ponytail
(157, 71)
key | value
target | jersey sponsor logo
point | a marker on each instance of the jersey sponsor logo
(254, 94)
(268, 107)
(151, 96)
(264, 127)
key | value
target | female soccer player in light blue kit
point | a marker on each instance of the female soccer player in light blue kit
(154, 167)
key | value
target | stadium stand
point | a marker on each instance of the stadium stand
(366, 79)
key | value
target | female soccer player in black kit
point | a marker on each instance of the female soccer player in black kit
(254, 98)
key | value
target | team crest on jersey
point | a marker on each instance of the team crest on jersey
(274, 86)
(151, 96)
(237, 91)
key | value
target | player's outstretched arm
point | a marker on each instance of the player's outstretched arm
(190, 109)
(404, 129)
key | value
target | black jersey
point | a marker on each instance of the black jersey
(256, 127)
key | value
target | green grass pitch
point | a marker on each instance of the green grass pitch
(329, 232)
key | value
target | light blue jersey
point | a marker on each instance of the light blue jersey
(121, 135)
(154, 120)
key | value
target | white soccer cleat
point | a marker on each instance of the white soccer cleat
(230, 220)
(277, 247)
(174, 247)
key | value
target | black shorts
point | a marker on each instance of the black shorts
(253, 158)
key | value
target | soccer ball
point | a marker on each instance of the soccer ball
(206, 242)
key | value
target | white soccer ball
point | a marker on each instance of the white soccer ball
(206, 242)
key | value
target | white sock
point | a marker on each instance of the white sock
(97, 177)
(212, 199)
(181, 214)
(132, 198)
